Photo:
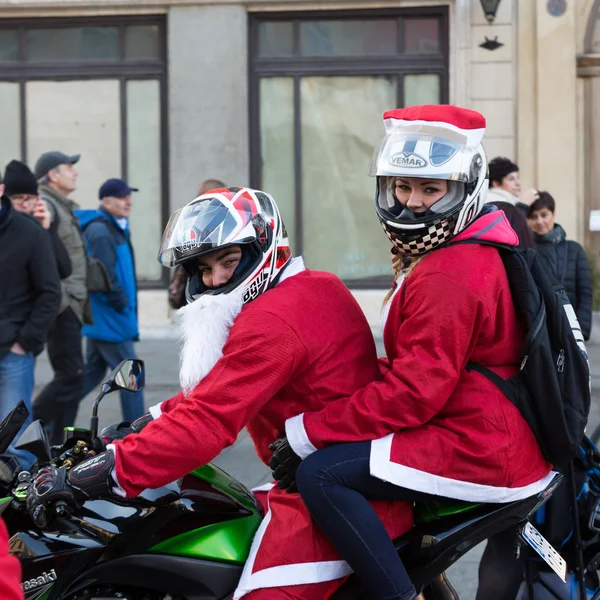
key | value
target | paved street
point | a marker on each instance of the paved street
(161, 357)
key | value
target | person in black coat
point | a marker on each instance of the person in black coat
(566, 258)
(21, 187)
(29, 300)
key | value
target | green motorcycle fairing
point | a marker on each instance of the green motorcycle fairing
(228, 541)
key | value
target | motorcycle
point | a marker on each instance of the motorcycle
(189, 540)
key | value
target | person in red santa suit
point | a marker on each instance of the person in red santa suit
(438, 428)
(264, 339)
(10, 570)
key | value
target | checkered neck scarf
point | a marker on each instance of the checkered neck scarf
(438, 234)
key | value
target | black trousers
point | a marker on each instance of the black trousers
(56, 405)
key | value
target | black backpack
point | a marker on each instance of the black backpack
(552, 389)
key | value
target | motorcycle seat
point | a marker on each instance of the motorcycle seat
(434, 510)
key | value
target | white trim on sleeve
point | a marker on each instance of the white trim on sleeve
(297, 436)
(155, 410)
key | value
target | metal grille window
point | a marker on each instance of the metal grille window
(96, 87)
(319, 86)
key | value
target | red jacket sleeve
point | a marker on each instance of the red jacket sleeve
(10, 570)
(434, 341)
(260, 357)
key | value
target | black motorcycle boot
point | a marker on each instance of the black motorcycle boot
(440, 589)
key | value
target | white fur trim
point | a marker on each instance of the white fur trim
(118, 491)
(297, 436)
(284, 575)
(155, 410)
(263, 488)
(383, 468)
(205, 326)
(474, 136)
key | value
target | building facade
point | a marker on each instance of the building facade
(288, 96)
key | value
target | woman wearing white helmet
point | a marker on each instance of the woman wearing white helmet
(438, 428)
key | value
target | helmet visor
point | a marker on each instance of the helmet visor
(201, 227)
(424, 155)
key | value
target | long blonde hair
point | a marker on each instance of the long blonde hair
(402, 264)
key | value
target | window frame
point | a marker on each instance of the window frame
(22, 71)
(297, 67)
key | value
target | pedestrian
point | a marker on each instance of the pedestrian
(29, 300)
(178, 282)
(505, 185)
(566, 259)
(21, 187)
(109, 340)
(56, 174)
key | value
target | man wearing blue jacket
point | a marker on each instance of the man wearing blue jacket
(110, 339)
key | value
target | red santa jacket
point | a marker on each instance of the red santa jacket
(440, 428)
(10, 570)
(297, 347)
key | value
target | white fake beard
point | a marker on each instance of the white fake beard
(204, 326)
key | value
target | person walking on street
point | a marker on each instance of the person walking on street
(566, 259)
(57, 177)
(29, 301)
(21, 187)
(110, 339)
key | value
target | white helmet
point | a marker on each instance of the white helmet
(437, 142)
(228, 217)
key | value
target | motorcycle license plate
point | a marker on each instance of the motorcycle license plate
(543, 547)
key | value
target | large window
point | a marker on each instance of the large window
(319, 87)
(94, 87)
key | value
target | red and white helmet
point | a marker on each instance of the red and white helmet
(228, 217)
(436, 142)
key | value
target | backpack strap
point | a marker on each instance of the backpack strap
(489, 374)
(484, 243)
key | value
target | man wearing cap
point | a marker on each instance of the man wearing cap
(110, 339)
(57, 177)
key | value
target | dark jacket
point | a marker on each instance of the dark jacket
(115, 312)
(569, 265)
(29, 283)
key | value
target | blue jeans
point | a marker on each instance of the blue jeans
(336, 484)
(101, 356)
(16, 383)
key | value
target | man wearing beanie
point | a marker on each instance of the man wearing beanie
(56, 174)
(29, 301)
(505, 185)
(21, 187)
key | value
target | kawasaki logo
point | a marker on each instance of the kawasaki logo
(43, 579)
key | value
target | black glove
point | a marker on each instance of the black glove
(56, 490)
(284, 464)
(118, 432)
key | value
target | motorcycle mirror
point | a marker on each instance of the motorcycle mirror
(129, 376)
(35, 440)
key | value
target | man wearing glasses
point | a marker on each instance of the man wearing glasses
(21, 187)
